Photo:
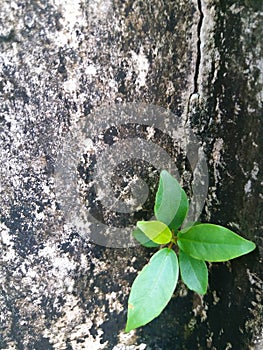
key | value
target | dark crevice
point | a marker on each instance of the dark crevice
(197, 63)
(198, 55)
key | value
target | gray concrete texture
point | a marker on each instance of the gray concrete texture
(96, 98)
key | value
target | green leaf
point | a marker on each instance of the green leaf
(194, 273)
(143, 239)
(157, 231)
(171, 203)
(152, 288)
(213, 243)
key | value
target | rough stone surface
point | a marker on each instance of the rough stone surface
(60, 61)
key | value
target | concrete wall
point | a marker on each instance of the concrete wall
(68, 70)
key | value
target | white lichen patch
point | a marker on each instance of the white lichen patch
(216, 159)
(113, 302)
(216, 298)
(73, 16)
(151, 132)
(253, 177)
(8, 252)
(61, 267)
(255, 171)
(71, 85)
(75, 325)
(91, 69)
(5, 236)
(99, 8)
(199, 307)
(141, 66)
(126, 341)
(247, 187)
(90, 343)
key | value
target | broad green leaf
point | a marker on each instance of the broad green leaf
(143, 239)
(152, 289)
(157, 231)
(193, 273)
(171, 203)
(213, 243)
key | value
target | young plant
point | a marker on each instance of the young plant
(155, 284)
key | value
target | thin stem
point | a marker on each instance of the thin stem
(173, 240)
(170, 245)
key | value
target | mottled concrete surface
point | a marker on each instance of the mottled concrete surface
(60, 61)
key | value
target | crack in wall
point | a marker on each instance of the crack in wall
(194, 95)
(198, 58)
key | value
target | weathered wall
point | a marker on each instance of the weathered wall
(60, 61)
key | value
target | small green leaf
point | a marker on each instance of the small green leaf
(157, 231)
(152, 289)
(213, 243)
(143, 239)
(193, 273)
(171, 203)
